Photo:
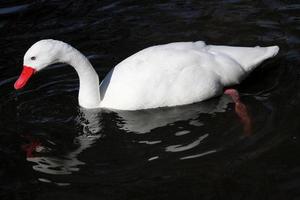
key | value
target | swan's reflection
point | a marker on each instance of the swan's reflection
(138, 122)
(146, 120)
(90, 122)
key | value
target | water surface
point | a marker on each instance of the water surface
(50, 148)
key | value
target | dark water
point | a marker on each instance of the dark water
(51, 149)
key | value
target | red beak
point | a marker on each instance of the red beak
(24, 77)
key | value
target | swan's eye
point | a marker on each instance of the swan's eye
(33, 58)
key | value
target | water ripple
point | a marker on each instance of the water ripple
(13, 9)
(179, 148)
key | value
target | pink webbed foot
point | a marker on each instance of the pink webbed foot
(241, 110)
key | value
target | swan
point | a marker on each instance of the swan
(159, 76)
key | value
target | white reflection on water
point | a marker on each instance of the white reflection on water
(180, 133)
(198, 155)
(146, 120)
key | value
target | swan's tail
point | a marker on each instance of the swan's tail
(248, 57)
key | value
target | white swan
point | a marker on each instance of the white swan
(159, 76)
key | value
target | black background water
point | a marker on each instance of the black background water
(193, 152)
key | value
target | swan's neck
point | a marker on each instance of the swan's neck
(89, 93)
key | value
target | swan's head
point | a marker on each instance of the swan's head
(38, 56)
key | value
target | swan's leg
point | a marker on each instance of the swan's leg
(241, 110)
